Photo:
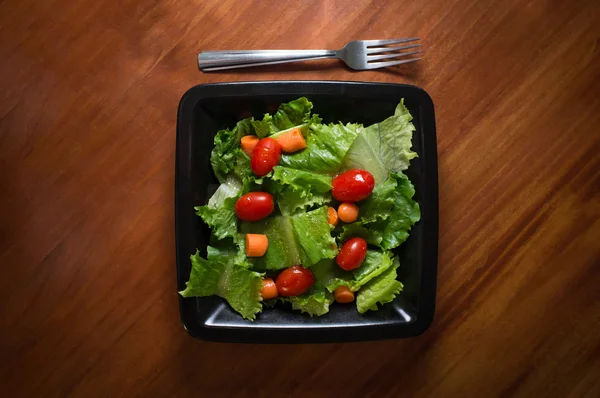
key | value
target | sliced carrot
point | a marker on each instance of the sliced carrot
(269, 289)
(348, 212)
(256, 245)
(332, 216)
(291, 141)
(248, 143)
(343, 295)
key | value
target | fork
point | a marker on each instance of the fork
(358, 55)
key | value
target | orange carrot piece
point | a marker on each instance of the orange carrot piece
(332, 216)
(269, 289)
(291, 141)
(256, 245)
(348, 212)
(343, 295)
(248, 143)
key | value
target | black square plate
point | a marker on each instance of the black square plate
(205, 109)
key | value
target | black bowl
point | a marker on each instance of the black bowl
(205, 109)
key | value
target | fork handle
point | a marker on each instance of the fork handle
(223, 59)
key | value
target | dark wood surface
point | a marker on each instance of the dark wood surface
(88, 99)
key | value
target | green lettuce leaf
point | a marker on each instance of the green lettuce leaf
(328, 274)
(293, 113)
(356, 229)
(405, 213)
(296, 190)
(380, 290)
(240, 287)
(313, 235)
(264, 127)
(383, 147)
(379, 204)
(317, 300)
(219, 213)
(230, 188)
(288, 115)
(225, 155)
(329, 277)
(300, 239)
(221, 220)
(375, 263)
(241, 167)
(228, 251)
(326, 147)
(312, 303)
(387, 228)
(283, 251)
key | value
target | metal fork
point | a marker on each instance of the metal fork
(359, 55)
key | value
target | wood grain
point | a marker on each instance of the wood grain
(88, 99)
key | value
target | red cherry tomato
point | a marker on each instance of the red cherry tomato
(254, 206)
(353, 185)
(294, 281)
(265, 156)
(352, 254)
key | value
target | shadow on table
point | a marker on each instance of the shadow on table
(410, 70)
(389, 367)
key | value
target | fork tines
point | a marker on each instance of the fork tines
(384, 46)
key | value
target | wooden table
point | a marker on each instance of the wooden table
(88, 100)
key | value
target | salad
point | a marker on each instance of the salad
(307, 213)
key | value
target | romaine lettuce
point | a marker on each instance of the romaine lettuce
(327, 145)
(375, 282)
(304, 239)
(383, 147)
(312, 303)
(221, 219)
(240, 287)
(294, 113)
(226, 152)
(386, 228)
(375, 263)
(296, 190)
(227, 156)
(380, 290)
(228, 251)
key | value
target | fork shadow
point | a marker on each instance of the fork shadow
(410, 70)
(304, 66)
